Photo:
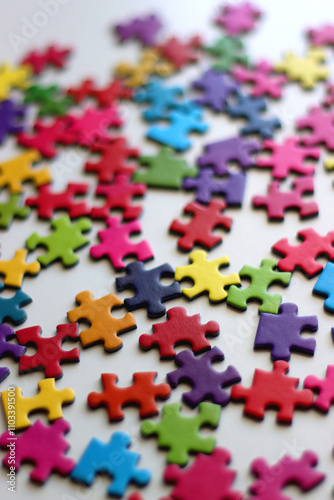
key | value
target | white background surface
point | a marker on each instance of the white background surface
(87, 27)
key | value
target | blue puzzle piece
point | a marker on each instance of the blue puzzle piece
(113, 458)
(10, 115)
(217, 87)
(8, 349)
(161, 98)
(281, 332)
(10, 308)
(186, 119)
(325, 286)
(148, 290)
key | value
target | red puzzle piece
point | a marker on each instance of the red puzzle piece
(119, 195)
(199, 230)
(49, 353)
(208, 477)
(287, 157)
(52, 55)
(263, 80)
(116, 243)
(45, 137)
(273, 389)
(276, 202)
(180, 53)
(114, 155)
(104, 97)
(324, 386)
(303, 256)
(321, 122)
(179, 329)
(143, 393)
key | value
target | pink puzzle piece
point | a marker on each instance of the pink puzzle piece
(116, 243)
(324, 386)
(238, 19)
(323, 35)
(263, 80)
(321, 123)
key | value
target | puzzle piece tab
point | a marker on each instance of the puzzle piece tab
(11, 209)
(161, 98)
(11, 115)
(324, 388)
(238, 19)
(7, 349)
(325, 286)
(307, 70)
(144, 29)
(217, 87)
(229, 51)
(15, 269)
(138, 74)
(321, 123)
(181, 53)
(52, 55)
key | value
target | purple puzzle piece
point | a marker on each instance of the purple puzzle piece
(281, 332)
(144, 28)
(10, 114)
(218, 154)
(206, 185)
(206, 382)
(14, 350)
(217, 87)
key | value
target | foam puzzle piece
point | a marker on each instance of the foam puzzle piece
(229, 51)
(307, 70)
(206, 276)
(135, 496)
(281, 332)
(206, 185)
(99, 457)
(12, 209)
(10, 308)
(142, 393)
(51, 55)
(219, 154)
(182, 122)
(161, 98)
(49, 399)
(199, 229)
(144, 29)
(288, 470)
(20, 169)
(114, 156)
(44, 446)
(149, 292)
(324, 35)
(104, 327)
(276, 202)
(180, 433)
(138, 74)
(325, 286)
(13, 77)
(238, 19)
(287, 157)
(206, 382)
(208, 477)
(261, 278)
(7, 349)
(217, 87)
(179, 329)
(116, 244)
(273, 389)
(44, 137)
(15, 269)
(119, 195)
(263, 81)
(323, 388)
(11, 115)
(181, 53)
(49, 350)
(303, 256)
(47, 201)
(104, 97)
(165, 169)
(321, 123)
(250, 108)
(49, 99)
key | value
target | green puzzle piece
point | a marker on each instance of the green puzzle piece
(180, 433)
(12, 208)
(50, 100)
(261, 278)
(61, 244)
(229, 51)
(164, 170)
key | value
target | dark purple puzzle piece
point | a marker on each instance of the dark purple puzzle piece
(143, 28)
(217, 87)
(206, 382)
(281, 332)
(14, 350)
(10, 114)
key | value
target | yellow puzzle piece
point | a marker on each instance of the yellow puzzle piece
(16, 268)
(206, 276)
(104, 326)
(49, 398)
(308, 70)
(13, 77)
(150, 63)
(18, 170)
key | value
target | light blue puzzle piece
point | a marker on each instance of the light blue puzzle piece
(325, 286)
(162, 99)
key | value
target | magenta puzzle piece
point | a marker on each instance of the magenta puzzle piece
(325, 388)
(323, 35)
(238, 19)
(263, 80)
(321, 123)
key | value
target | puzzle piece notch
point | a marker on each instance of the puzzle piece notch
(321, 123)
(161, 98)
(49, 98)
(263, 81)
(206, 277)
(324, 286)
(205, 381)
(143, 393)
(273, 389)
(307, 70)
(49, 399)
(11, 115)
(217, 87)
(11, 209)
(10, 308)
(179, 329)
(100, 457)
(52, 55)
(11, 77)
(104, 327)
(50, 353)
(43, 445)
(282, 332)
(238, 19)
(145, 29)
(323, 388)
(229, 51)
(7, 349)
(15, 269)
(149, 292)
